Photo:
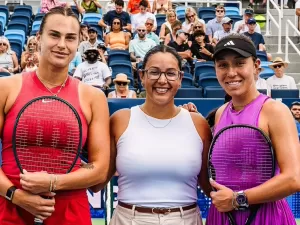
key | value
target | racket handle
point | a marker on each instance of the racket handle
(38, 221)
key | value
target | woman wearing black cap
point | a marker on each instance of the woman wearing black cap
(236, 64)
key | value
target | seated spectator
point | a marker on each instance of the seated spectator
(197, 27)
(201, 50)
(295, 110)
(226, 30)
(161, 6)
(84, 36)
(133, 7)
(191, 18)
(140, 46)
(92, 71)
(280, 80)
(142, 16)
(215, 24)
(91, 43)
(150, 34)
(260, 82)
(117, 38)
(110, 6)
(30, 57)
(88, 6)
(170, 37)
(8, 58)
(241, 27)
(107, 19)
(74, 63)
(121, 88)
(46, 5)
(166, 27)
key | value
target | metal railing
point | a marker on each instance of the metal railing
(277, 24)
(288, 39)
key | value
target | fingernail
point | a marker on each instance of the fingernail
(211, 180)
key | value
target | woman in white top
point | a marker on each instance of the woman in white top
(191, 18)
(166, 27)
(121, 88)
(159, 150)
(8, 58)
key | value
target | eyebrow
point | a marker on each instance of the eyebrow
(56, 32)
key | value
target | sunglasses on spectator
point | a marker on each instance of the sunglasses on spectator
(198, 27)
(220, 11)
(277, 66)
(116, 23)
(121, 83)
(191, 16)
(150, 24)
(4, 44)
(32, 44)
(140, 30)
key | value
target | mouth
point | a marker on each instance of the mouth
(60, 54)
(161, 90)
(235, 83)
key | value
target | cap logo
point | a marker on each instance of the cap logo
(229, 43)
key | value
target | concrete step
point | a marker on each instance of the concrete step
(293, 57)
(273, 39)
(273, 48)
(288, 14)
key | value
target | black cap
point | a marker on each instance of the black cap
(236, 43)
(249, 11)
(93, 29)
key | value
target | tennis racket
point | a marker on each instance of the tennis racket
(241, 157)
(47, 136)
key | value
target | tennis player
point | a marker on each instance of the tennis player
(159, 150)
(236, 64)
(58, 40)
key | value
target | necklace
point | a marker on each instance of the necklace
(232, 107)
(61, 86)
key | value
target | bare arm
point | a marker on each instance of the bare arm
(298, 12)
(97, 4)
(107, 39)
(127, 39)
(186, 54)
(23, 60)
(127, 27)
(167, 38)
(162, 32)
(79, 8)
(15, 63)
(154, 6)
(102, 24)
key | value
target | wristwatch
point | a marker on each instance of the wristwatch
(10, 193)
(241, 200)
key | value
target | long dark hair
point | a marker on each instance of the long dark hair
(112, 22)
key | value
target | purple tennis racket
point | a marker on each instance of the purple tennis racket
(241, 157)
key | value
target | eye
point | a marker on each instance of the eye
(222, 65)
(54, 35)
(171, 73)
(153, 72)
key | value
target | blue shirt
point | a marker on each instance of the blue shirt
(298, 128)
(256, 38)
(123, 16)
(75, 62)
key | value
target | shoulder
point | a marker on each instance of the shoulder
(91, 94)
(219, 113)
(119, 121)
(201, 125)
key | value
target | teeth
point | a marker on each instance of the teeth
(161, 90)
(234, 83)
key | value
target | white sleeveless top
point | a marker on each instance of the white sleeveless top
(129, 95)
(158, 167)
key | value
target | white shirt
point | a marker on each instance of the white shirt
(262, 84)
(297, 6)
(245, 27)
(92, 74)
(285, 82)
(139, 19)
(221, 33)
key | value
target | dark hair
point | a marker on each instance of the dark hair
(199, 33)
(163, 49)
(144, 3)
(295, 103)
(58, 11)
(119, 3)
(121, 23)
(176, 23)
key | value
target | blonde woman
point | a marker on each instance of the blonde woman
(166, 27)
(121, 88)
(30, 57)
(8, 58)
(161, 6)
(191, 18)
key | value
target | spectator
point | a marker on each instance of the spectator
(46, 5)
(117, 38)
(166, 27)
(297, 6)
(260, 82)
(121, 88)
(226, 30)
(150, 34)
(215, 24)
(118, 12)
(161, 6)
(133, 7)
(201, 50)
(88, 6)
(280, 80)
(8, 58)
(142, 16)
(191, 18)
(30, 57)
(170, 37)
(84, 36)
(91, 43)
(252, 2)
(197, 27)
(140, 46)
(295, 109)
(241, 27)
(92, 71)
(74, 63)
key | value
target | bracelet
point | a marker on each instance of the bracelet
(54, 183)
(51, 184)
(233, 201)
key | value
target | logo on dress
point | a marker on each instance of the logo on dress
(229, 43)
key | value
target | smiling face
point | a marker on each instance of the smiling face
(59, 40)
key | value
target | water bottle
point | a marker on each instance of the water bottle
(194, 60)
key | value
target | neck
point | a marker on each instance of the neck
(279, 75)
(158, 111)
(219, 19)
(179, 42)
(200, 43)
(251, 31)
(241, 101)
(122, 92)
(142, 38)
(92, 41)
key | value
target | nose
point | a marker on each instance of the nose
(162, 78)
(231, 71)
(61, 43)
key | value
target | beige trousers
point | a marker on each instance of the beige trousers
(123, 216)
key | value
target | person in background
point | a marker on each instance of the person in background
(226, 30)
(8, 58)
(133, 7)
(149, 29)
(121, 88)
(88, 6)
(117, 38)
(166, 27)
(84, 36)
(215, 24)
(161, 6)
(74, 63)
(191, 18)
(91, 43)
(295, 109)
(30, 57)
(260, 82)
(47, 5)
(240, 27)
(297, 6)
(170, 37)
(197, 27)
(142, 17)
(200, 50)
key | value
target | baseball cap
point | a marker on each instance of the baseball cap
(180, 32)
(251, 21)
(236, 43)
(84, 24)
(226, 20)
(93, 29)
(91, 49)
(249, 11)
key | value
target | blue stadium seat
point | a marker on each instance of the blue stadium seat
(33, 32)
(2, 20)
(75, 10)
(4, 74)
(36, 26)
(23, 9)
(181, 18)
(235, 18)
(4, 9)
(266, 74)
(231, 5)
(91, 17)
(232, 11)
(180, 10)
(117, 55)
(187, 82)
(17, 47)
(208, 17)
(121, 66)
(21, 18)
(203, 68)
(214, 92)
(263, 91)
(12, 25)
(15, 34)
(285, 93)
(188, 75)
(208, 82)
(208, 74)
(265, 64)
(262, 55)
(189, 93)
(160, 19)
(39, 16)
(208, 11)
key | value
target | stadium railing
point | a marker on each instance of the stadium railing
(288, 39)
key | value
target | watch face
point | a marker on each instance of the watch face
(241, 199)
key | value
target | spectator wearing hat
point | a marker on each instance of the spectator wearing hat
(84, 36)
(201, 50)
(295, 110)
(121, 88)
(241, 27)
(119, 13)
(91, 43)
(226, 30)
(257, 38)
(280, 80)
(92, 71)
(181, 46)
(215, 24)
(142, 17)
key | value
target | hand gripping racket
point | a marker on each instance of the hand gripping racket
(47, 136)
(241, 157)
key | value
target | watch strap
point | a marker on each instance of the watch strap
(10, 193)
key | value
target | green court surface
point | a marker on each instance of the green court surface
(101, 222)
